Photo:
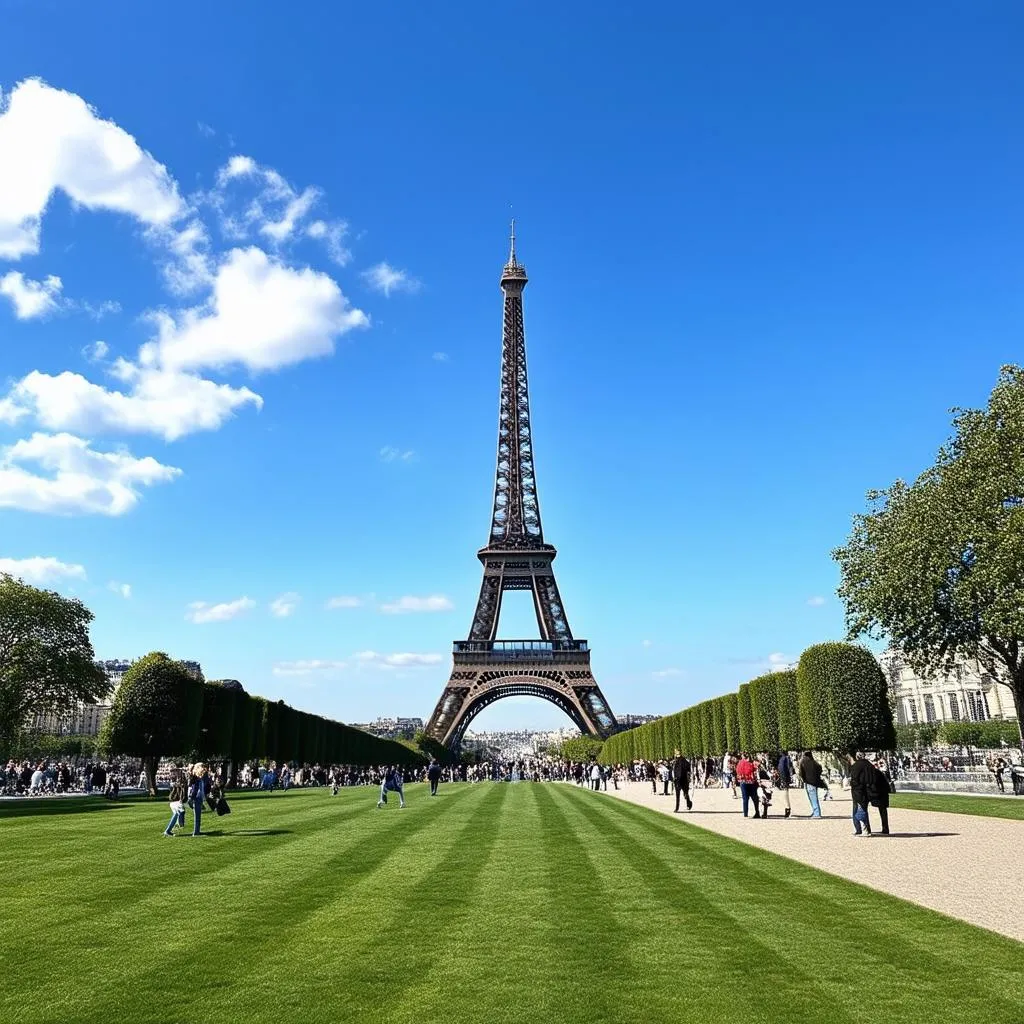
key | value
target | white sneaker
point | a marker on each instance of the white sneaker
(379, 805)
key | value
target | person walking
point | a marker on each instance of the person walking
(393, 782)
(809, 772)
(784, 766)
(595, 776)
(746, 773)
(433, 775)
(878, 795)
(861, 772)
(681, 780)
(198, 788)
(176, 800)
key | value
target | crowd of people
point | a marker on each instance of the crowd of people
(45, 778)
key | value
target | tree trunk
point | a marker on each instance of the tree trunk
(1017, 687)
(150, 763)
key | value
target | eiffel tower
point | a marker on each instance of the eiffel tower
(555, 666)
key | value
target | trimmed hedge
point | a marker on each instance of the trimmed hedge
(836, 699)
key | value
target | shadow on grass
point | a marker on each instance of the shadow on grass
(50, 806)
(249, 833)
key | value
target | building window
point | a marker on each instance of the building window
(954, 707)
(929, 708)
(977, 705)
(912, 710)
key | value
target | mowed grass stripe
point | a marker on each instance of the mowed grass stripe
(28, 887)
(366, 951)
(516, 958)
(212, 906)
(870, 931)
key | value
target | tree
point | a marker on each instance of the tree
(790, 736)
(963, 734)
(46, 658)
(581, 748)
(764, 712)
(935, 566)
(155, 713)
(745, 718)
(844, 699)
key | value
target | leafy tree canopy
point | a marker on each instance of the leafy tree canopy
(156, 712)
(46, 657)
(937, 566)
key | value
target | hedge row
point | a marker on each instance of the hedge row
(836, 699)
(239, 727)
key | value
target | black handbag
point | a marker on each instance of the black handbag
(222, 808)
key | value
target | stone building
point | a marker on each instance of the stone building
(968, 693)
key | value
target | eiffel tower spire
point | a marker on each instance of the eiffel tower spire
(515, 519)
(555, 667)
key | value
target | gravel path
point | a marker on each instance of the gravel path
(964, 865)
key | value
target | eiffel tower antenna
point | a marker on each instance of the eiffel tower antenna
(555, 666)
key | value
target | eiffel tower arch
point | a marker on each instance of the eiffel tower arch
(554, 666)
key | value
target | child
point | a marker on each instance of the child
(177, 804)
(764, 780)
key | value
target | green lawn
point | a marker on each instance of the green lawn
(987, 806)
(492, 904)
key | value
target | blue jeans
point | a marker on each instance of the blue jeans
(860, 814)
(197, 812)
(812, 796)
(748, 790)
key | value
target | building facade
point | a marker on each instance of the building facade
(967, 694)
(83, 719)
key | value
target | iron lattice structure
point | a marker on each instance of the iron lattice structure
(556, 666)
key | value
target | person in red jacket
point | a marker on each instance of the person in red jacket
(746, 775)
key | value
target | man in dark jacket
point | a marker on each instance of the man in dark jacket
(810, 775)
(878, 794)
(681, 779)
(434, 775)
(861, 772)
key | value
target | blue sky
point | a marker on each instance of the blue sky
(768, 250)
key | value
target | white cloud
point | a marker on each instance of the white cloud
(391, 454)
(41, 570)
(397, 660)
(166, 403)
(262, 315)
(236, 167)
(781, 662)
(307, 667)
(200, 612)
(52, 140)
(816, 602)
(332, 234)
(344, 601)
(386, 279)
(96, 352)
(433, 603)
(98, 311)
(645, 643)
(295, 209)
(440, 357)
(667, 673)
(281, 607)
(124, 589)
(31, 298)
(277, 211)
(75, 478)
(206, 130)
